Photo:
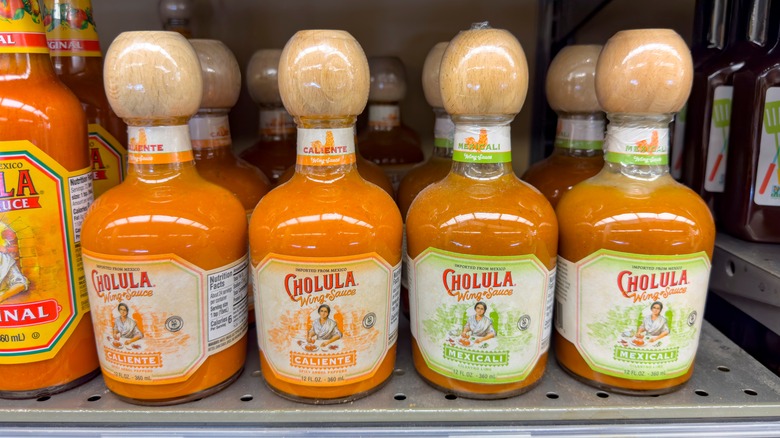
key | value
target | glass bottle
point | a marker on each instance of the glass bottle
(388, 142)
(46, 189)
(274, 151)
(481, 244)
(635, 245)
(166, 250)
(78, 62)
(579, 138)
(326, 245)
(176, 16)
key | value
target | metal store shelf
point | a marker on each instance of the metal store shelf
(730, 393)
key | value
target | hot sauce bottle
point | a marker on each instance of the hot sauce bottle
(210, 130)
(440, 162)
(176, 16)
(580, 135)
(388, 142)
(635, 245)
(47, 343)
(752, 194)
(274, 151)
(326, 245)
(481, 243)
(75, 53)
(166, 250)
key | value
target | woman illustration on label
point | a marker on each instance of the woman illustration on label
(324, 328)
(125, 327)
(478, 325)
(12, 281)
(654, 324)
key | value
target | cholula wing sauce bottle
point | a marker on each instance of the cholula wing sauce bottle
(387, 141)
(166, 250)
(481, 243)
(440, 162)
(274, 151)
(176, 16)
(46, 187)
(635, 245)
(708, 116)
(751, 207)
(326, 245)
(580, 135)
(75, 53)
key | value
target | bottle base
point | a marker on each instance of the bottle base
(480, 396)
(51, 390)
(622, 391)
(187, 398)
(327, 401)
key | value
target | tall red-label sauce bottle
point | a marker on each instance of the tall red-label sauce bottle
(46, 341)
(75, 53)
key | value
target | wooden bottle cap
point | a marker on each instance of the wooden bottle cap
(430, 75)
(644, 71)
(175, 9)
(152, 75)
(323, 73)
(571, 80)
(388, 79)
(262, 76)
(484, 72)
(221, 74)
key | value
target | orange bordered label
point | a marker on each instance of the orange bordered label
(326, 321)
(21, 27)
(158, 318)
(210, 131)
(384, 116)
(108, 158)
(276, 122)
(43, 293)
(159, 144)
(70, 28)
(326, 147)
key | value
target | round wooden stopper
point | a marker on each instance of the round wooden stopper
(388, 79)
(571, 80)
(221, 74)
(644, 71)
(430, 75)
(262, 76)
(484, 72)
(175, 9)
(152, 75)
(323, 73)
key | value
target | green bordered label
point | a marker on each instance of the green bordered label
(480, 319)
(475, 144)
(633, 316)
(443, 132)
(579, 134)
(637, 146)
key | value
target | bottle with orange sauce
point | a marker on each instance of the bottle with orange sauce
(326, 245)
(75, 53)
(388, 142)
(46, 189)
(176, 16)
(440, 162)
(635, 245)
(274, 151)
(580, 135)
(481, 243)
(165, 251)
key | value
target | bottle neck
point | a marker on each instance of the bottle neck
(159, 150)
(579, 135)
(70, 29)
(716, 34)
(326, 147)
(637, 145)
(482, 147)
(275, 123)
(25, 66)
(443, 134)
(24, 53)
(210, 134)
(383, 116)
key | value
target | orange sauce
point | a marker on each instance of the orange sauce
(47, 114)
(394, 149)
(559, 172)
(274, 151)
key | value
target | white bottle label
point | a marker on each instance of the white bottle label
(767, 186)
(717, 150)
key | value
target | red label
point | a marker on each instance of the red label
(27, 314)
(74, 45)
(22, 39)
